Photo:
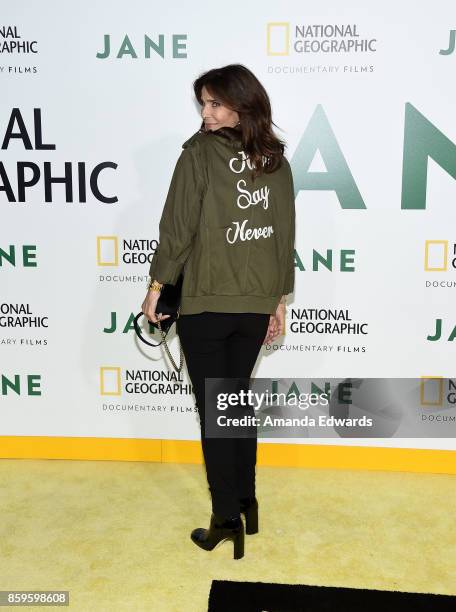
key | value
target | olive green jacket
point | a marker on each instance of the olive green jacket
(232, 238)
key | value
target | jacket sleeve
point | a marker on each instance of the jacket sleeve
(180, 218)
(290, 266)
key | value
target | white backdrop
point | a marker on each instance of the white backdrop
(72, 264)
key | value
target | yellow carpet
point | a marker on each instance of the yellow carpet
(117, 534)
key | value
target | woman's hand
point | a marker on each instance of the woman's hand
(276, 324)
(150, 304)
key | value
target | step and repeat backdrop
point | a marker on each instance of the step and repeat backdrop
(96, 101)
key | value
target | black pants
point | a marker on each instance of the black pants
(216, 345)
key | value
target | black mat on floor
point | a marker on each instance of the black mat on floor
(227, 595)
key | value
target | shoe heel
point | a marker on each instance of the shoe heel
(238, 542)
(251, 517)
(251, 521)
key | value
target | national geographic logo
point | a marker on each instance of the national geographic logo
(11, 43)
(169, 46)
(437, 391)
(55, 180)
(113, 251)
(141, 382)
(284, 39)
(436, 256)
(13, 48)
(20, 316)
(440, 256)
(333, 321)
(17, 318)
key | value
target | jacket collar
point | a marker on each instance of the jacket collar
(230, 136)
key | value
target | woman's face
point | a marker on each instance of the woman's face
(215, 115)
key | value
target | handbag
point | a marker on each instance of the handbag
(168, 304)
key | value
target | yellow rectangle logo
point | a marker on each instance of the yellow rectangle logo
(107, 251)
(436, 255)
(431, 390)
(278, 38)
(110, 380)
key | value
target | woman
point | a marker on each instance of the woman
(228, 224)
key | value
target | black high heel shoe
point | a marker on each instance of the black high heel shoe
(219, 530)
(249, 507)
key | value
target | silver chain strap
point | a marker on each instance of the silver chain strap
(178, 369)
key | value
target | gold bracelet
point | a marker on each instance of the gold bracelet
(155, 285)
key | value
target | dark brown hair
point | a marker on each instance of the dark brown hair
(239, 89)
